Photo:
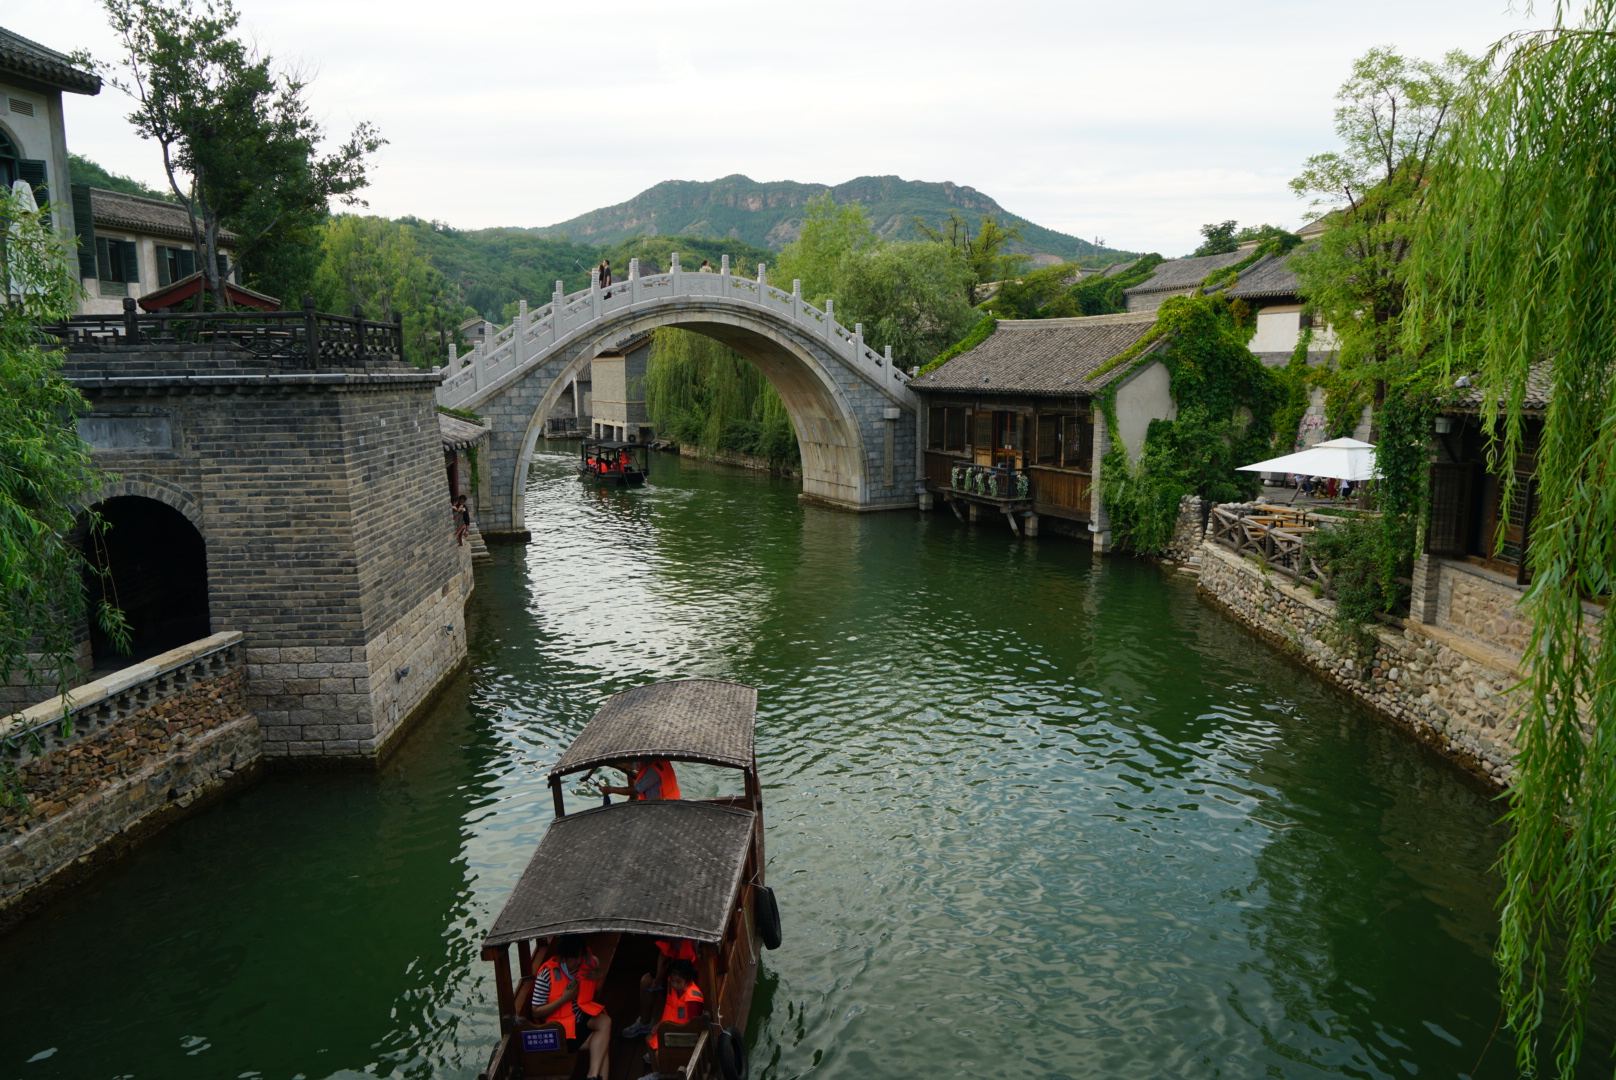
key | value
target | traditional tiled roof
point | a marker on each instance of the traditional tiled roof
(459, 434)
(31, 60)
(1539, 389)
(1269, 277)
(1042, 356)
(1184, 273)
(153, 217)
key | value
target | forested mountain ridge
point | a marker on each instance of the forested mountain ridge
(769, 214)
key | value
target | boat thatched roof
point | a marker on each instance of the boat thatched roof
(667, 867)
(707, 720)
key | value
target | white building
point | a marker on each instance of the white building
(33, 135)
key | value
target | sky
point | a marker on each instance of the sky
(1129, 122)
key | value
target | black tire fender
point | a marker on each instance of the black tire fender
(767, 910)
(732, 1054)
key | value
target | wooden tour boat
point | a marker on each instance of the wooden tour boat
(626, 875)
(605, 462)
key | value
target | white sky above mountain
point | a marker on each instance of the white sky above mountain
(1132, 122)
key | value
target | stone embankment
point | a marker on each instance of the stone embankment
(1447, 674)
(730, 457)
(143, 744)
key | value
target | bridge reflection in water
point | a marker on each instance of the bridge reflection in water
(1032, 814)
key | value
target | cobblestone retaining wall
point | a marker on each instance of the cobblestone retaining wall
(1188, 533)
(1446, 689)
(146, 742)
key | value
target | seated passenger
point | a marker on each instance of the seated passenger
(684, 1001)
(564, 991)
(652, 780)
(655, 983)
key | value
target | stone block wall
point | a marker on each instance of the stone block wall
(145, 742)
(1446, 689)
(323, 504)
(1481, 605)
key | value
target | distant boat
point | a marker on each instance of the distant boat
(629, 875)
(603, 462)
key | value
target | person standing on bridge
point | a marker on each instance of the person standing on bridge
(705, 267)
(606, 275)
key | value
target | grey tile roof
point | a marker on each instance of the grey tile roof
(1539, 389)
(459, 434)
(1268, 277)
(1184, 273)
(1042, 356)
(31, 60)
(153, 217)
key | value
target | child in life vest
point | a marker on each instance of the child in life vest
(564, 992)
(655, 983)
(684, 1001)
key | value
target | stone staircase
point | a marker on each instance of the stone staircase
(479, 547)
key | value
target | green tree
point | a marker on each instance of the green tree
(986, 256)
(85, 171)
(830, 232)
(1217, 239)
(910, 295)
(703, 393)
(1393, 117)
(1516, 257)
(373, 264)
(45, 468)
(238, 144)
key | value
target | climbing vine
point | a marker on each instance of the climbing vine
(1227, 402)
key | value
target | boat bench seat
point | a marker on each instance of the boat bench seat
(558, 1062)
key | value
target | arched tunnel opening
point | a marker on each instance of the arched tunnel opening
(154, 567)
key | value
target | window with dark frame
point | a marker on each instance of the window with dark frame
(1048, 452)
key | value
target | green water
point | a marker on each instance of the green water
(1031, 814)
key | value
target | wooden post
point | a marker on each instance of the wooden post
(503, 986)
(311, 334)
(398, 335)
(555, 781)
(359, 333)
(131, 324)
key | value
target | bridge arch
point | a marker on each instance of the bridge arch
(855, 416)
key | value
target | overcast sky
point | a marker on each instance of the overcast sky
(1133, 122)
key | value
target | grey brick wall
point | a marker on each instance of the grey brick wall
(323, 503)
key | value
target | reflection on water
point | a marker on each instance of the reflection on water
(1031, 815)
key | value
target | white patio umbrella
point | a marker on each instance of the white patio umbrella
(1338, 459)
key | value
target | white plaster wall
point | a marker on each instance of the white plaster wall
(1145, 396)
(1278, 327)
(42, 136)
(609, 402)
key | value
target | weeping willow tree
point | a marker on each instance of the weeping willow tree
(1517, 259)
(702, 393)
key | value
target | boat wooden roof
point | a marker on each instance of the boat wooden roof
(667, 867)
(708, 720)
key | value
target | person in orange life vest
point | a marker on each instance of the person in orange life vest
(652, 780)
(564, 991)
(684, 1001)
(652, 984)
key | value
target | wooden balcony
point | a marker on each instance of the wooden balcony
(1062, 493)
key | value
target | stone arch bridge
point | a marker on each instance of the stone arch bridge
(854, 414)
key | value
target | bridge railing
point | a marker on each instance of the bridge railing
(533, 334)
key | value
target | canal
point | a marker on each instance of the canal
(1031, 814)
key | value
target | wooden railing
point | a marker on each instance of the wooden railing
(988, 481)
(310, 339)
(1278, 538)
(1059, 487)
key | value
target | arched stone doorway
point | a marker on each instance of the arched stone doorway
(157, 572)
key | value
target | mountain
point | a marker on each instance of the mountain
(769, 215)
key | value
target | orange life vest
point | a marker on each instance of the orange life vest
(670, 783)
(678, 949)
(559, 981)
(680, 1008)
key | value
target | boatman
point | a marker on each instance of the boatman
(564, 991)
(668, 951)
(652, 780)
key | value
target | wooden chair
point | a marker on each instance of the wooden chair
(678, 1045)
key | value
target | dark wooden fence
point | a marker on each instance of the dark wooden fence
(311, 339)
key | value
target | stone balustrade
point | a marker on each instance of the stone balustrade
(88, 772)
(534, 335)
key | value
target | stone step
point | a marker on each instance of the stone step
(479, 547)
